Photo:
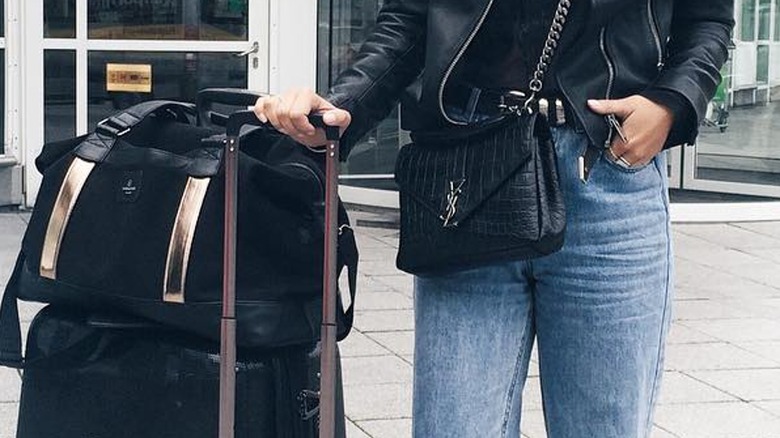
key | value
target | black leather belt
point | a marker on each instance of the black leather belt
(487, 101)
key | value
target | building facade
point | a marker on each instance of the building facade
(62, 58)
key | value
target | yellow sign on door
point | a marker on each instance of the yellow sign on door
(136, 78)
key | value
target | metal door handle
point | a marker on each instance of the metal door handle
(251, 51)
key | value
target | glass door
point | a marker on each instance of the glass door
(736, 151)
(96, 57)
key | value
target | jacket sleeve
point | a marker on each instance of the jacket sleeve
(387, 62)
(701, 31)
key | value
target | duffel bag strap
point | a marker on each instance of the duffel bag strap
(10, 328)
(121, 123)
(97, 146)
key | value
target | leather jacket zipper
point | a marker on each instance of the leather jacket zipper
(656, 33)
(454, 62)
(610, 119)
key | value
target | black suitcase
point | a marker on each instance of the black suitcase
(112, 376)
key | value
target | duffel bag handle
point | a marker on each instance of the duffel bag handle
(120, 124)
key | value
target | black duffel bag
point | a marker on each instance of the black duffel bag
(130, 217)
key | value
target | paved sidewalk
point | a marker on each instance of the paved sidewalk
(722, 374)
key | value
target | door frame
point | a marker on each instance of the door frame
(32, 69)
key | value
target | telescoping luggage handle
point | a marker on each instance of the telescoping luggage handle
(228, 324)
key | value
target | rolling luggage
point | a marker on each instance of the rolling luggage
(115, 376)
(162, 334)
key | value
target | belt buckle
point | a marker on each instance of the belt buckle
(512, 101)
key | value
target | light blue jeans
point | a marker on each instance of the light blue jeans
(599, 310)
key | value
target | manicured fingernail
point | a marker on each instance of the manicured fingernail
(594, 102)
(329, 118)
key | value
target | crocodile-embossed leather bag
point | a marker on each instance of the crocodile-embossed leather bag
(485, 192)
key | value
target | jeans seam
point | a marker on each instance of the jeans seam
(666, 308)
(518, 365)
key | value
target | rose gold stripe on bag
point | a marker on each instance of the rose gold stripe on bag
(181, 239)
(76, 176)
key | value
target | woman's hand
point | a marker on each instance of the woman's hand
(288, 114)
(646, 126)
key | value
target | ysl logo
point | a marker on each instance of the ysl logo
(451, 203)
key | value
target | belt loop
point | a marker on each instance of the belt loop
(471, 107)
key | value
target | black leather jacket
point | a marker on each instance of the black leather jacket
(622, 47)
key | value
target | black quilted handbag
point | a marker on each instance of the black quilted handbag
(130, 218)
(479, 195)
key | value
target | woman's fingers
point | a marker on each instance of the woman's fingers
(289, 113)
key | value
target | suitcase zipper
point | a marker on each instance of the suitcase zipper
(455, 60)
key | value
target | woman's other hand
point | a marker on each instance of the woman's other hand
(288, 114)
(645, 124)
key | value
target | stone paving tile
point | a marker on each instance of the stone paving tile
(767, 349)
(708, 309)
(375, 402)
(361, 371)
(402, 283)
(532, 395)
(717, 283)
(739, 330)
(396, 428)
(679, 388)
(532, 424)
(681, 334)
(400, 343)
(766, 254)
(764, 272)
(767, 228)
(717, 420)
(389, 300)
(749, 385)
(359, 345)
(354, 431)
(384, 320)
(773, 407)
(8, 416)
(10, 385)
(729, 236)
(712, 356)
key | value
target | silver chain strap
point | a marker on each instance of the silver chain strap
(550, 45)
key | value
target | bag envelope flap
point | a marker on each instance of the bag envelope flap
(453, 178)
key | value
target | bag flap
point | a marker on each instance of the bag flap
(453, 177)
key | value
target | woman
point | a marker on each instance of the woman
(632, 76)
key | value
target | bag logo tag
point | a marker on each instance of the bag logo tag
(453, 189)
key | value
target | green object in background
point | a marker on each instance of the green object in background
(236, 5)
(721, 93)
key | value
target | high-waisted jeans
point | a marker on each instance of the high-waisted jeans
(599, 310)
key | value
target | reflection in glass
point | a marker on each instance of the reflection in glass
(764, 18)
(175, 75)
(2, 14)
(777, 20)
(59, 91)
(207, 20)
(2, 103)
(339, 41)
(748, 20)
(59, 18)
(746, 152)
(762, 64)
